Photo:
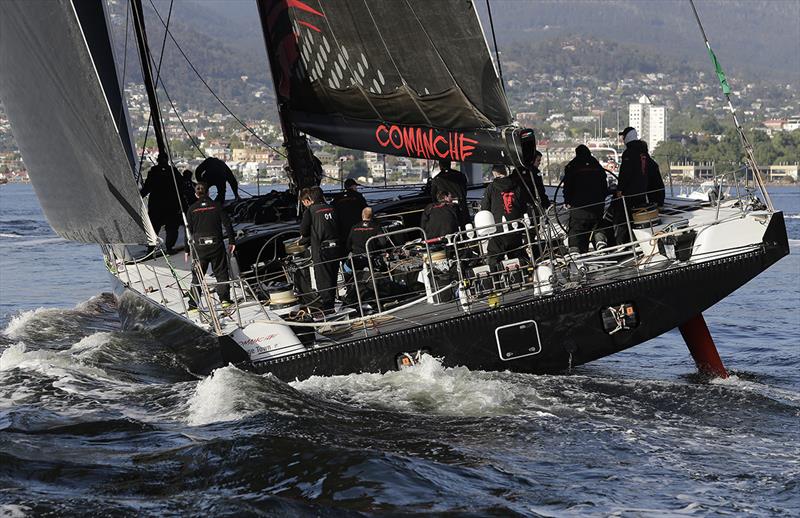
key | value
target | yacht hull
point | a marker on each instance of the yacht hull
(548, 334)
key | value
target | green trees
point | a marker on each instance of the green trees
(780, 148)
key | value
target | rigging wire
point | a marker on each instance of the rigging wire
(496, 50)
(124, 64)
(180, 119)
(726, 91)
(221, 102)
(158, 77)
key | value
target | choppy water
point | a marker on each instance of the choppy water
(97, 421)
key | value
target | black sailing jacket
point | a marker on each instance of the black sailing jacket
(585, 183)
(206, 220)
(504, 197)
(318, 226)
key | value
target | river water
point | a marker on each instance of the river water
(98, 421)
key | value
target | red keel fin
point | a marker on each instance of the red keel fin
(698, 339)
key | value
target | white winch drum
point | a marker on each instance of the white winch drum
(485, 218)
(282, 300)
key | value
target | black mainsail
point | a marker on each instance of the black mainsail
(61, 92)
(404, 77)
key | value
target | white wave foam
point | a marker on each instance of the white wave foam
(794, 242)
(14, 511)
(428, 387)
(228, 394)
(792, 216)
(777, 394)
(63, 365)
(9, 236)
(90, 342)
(12, 356)
(17, 326)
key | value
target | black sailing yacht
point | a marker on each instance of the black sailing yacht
(412, 78)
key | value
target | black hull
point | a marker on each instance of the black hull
(569, 324)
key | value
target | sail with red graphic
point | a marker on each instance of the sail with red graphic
(404, 77)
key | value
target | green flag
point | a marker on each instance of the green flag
(723, 81)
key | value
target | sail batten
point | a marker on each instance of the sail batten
(66, 110)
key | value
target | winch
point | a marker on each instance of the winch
(282, 299)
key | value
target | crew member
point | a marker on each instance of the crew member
(360, 233)
(163, 204)
(187, 185)
(215, 172)
(320, 229)
(206, 220)
(585, 190)
(640, 181)
(455, 182)
(530, 180)
(349, 206)
(440, 218)
(506, 201)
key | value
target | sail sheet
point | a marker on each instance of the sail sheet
(67, 117)
(405, 77)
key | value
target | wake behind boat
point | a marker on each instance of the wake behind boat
(344, 73)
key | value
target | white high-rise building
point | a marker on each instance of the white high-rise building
(650, 121)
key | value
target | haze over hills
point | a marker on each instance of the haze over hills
(749, 36)
(616, 39)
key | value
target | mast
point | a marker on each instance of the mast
(147, 74)
(305, 169)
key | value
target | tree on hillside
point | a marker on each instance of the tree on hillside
(670, 151)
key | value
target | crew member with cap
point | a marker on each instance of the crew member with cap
(441, 217)
(320, 229)
(639, 182)
(215, 172)
(505, 200)
(454, 182)
(163, 204)
(348, 205)
(585, 191)
(206, 220)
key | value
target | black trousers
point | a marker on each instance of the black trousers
(508, 244)
(168, 219)
(326, 270)
(622, 218)
(218, 259)
(581, 224)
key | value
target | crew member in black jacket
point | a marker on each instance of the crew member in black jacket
(441, 217)
(506, 201)
(163, 205)
(320, 229)
(348, 205)
(214, 171)
(359, 234)
(530, 179)
(640, 181)
(454, 182)
(206, 220)
(585, 190)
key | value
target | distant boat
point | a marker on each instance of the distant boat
(411, 78)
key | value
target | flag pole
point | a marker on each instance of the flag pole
(726, 90)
